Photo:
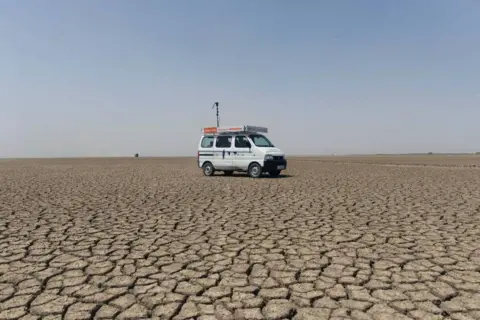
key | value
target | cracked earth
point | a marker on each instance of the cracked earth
(154, 239)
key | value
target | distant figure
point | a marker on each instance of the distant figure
(136, 155)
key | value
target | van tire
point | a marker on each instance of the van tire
(228, 173)
(275, 174)
(254, 170)
(208, 169)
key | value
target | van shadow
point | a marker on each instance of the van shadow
(245, 175)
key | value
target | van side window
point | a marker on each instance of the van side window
(241, 142)
(223, 142)
(207, 142)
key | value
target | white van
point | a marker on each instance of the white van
(241, 148)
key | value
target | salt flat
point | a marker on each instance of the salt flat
(150, 238)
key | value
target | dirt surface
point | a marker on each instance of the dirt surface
(469, 161)
(336, 238)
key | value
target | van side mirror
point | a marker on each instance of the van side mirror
(249, 145)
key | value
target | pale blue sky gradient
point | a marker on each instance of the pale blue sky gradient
(111, 78)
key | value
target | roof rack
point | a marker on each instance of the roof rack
(237, 129)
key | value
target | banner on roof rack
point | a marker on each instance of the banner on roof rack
(245, 128)
(210, 130)
(233, 129)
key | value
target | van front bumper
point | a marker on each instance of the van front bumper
(273, 165)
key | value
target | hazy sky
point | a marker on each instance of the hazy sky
(112, 78)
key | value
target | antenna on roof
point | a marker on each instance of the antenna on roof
(218, 117)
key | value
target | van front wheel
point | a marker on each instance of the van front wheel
(255, 170)
(275, 174)
(208, 169)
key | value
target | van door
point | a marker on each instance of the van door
(205, 150)
(223, 158)
(243, 154)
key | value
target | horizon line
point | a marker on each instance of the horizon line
(289, 156)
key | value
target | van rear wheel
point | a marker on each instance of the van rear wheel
(208, 169)
(255, 170)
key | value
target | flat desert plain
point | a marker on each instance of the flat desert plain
(151, 238)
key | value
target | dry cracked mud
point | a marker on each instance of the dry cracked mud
(154, 239)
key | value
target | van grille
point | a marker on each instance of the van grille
(277, 157)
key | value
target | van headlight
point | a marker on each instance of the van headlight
(268, 157)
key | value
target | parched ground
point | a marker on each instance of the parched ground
(337, 238)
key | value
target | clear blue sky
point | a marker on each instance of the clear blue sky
(111, 78)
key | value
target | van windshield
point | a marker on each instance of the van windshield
(261, 141)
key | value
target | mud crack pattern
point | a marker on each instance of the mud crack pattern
(154, 239)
